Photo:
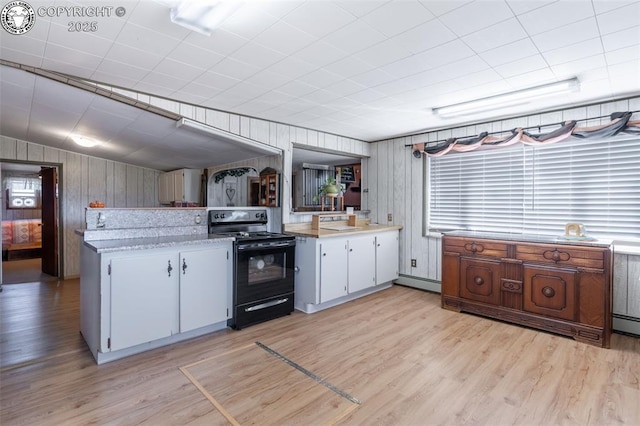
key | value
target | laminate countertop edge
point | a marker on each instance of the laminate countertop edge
(131, 244)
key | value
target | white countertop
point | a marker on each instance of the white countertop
(126, 244)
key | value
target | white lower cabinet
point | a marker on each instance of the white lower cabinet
(362, 254)
(331, 269)
(143, 299)
(203, 289)
(387, 257)
(135, 301)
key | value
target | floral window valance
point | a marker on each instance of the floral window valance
(620, 123)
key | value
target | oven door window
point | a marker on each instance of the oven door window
(266, 267)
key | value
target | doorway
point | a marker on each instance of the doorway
(30, 222)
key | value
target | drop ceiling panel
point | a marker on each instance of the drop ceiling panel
(366, 69)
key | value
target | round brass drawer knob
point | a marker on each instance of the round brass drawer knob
(548, 292)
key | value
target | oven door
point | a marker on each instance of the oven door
(264, 272)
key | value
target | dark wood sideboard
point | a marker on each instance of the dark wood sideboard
(552, 284)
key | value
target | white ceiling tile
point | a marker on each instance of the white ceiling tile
(247, 90)
(285, 38)
(155, 89)
(257, 55)
(619, 19)
(396, 17)
(292, 67)
(69, 56)
(184, 71)
(320, 78)
(367, 95)
(355, 37)
(623, 55)
(348, 67)
(193, 88)
(384, 53)
(505, 32)
(145, 14)
(321, 96)
(432, 58)
(361, 7)
(276, 8)
(567, 35)
(248, 21)
(164, 80)
(195, 56)
(510, 52)
(132, 56)
(602, 6)
(523, 6)
(624, 75)
(484, 77)
(575, 51)
(297, 88)
(20, 56)
(579, 67)
(425, 36)
(234, 68)
(533, 78)
(268, 79)
(116, 70)
(319, 18)
(220, 41)
(345, 87)
(48, 92)
(373, 78)
(521, 66)
(440, 7)
(555, 15)
(105, 73)
(146, 40)
(216, 81)
(87, 42)
(476, 16)
(320, 54)
(624, 38)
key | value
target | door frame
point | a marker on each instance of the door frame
(60, 227)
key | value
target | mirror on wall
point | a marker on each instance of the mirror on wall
(312, 168)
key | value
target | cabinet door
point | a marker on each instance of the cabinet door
(144, 299)
(550, 291)
(166, 189)
(333, 269)
(203, 287)
(362, 254)
(480, 280)
(178, 185)
(387, 257)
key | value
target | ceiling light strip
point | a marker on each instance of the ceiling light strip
(508, 99)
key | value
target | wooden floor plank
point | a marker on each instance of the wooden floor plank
(407, 360)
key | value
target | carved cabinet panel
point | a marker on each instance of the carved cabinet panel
(563, 288)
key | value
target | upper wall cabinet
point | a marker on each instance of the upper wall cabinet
(179, 186)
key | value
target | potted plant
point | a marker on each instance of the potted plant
(329, 187)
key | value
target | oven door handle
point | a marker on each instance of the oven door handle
(266, 305)
(240, 247)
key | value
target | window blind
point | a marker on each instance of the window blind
(539, 189)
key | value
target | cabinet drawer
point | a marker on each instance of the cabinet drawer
(561, 255)
(471, 247)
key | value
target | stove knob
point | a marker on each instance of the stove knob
(216, 216)
(222, 216)
(257, 215)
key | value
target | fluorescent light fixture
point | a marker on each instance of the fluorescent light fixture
(508, 99)
(203, 15)
(230, 138)
(84, 141)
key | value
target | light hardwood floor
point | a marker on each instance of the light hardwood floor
(406, 360)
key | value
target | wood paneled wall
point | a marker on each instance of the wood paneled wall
(397, 184)
(84, 179)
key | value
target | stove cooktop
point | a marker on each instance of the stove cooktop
(261, 235)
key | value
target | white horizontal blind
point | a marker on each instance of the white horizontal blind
(539, 189)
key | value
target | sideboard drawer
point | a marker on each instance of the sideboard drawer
(473, 247)
(560, 255)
